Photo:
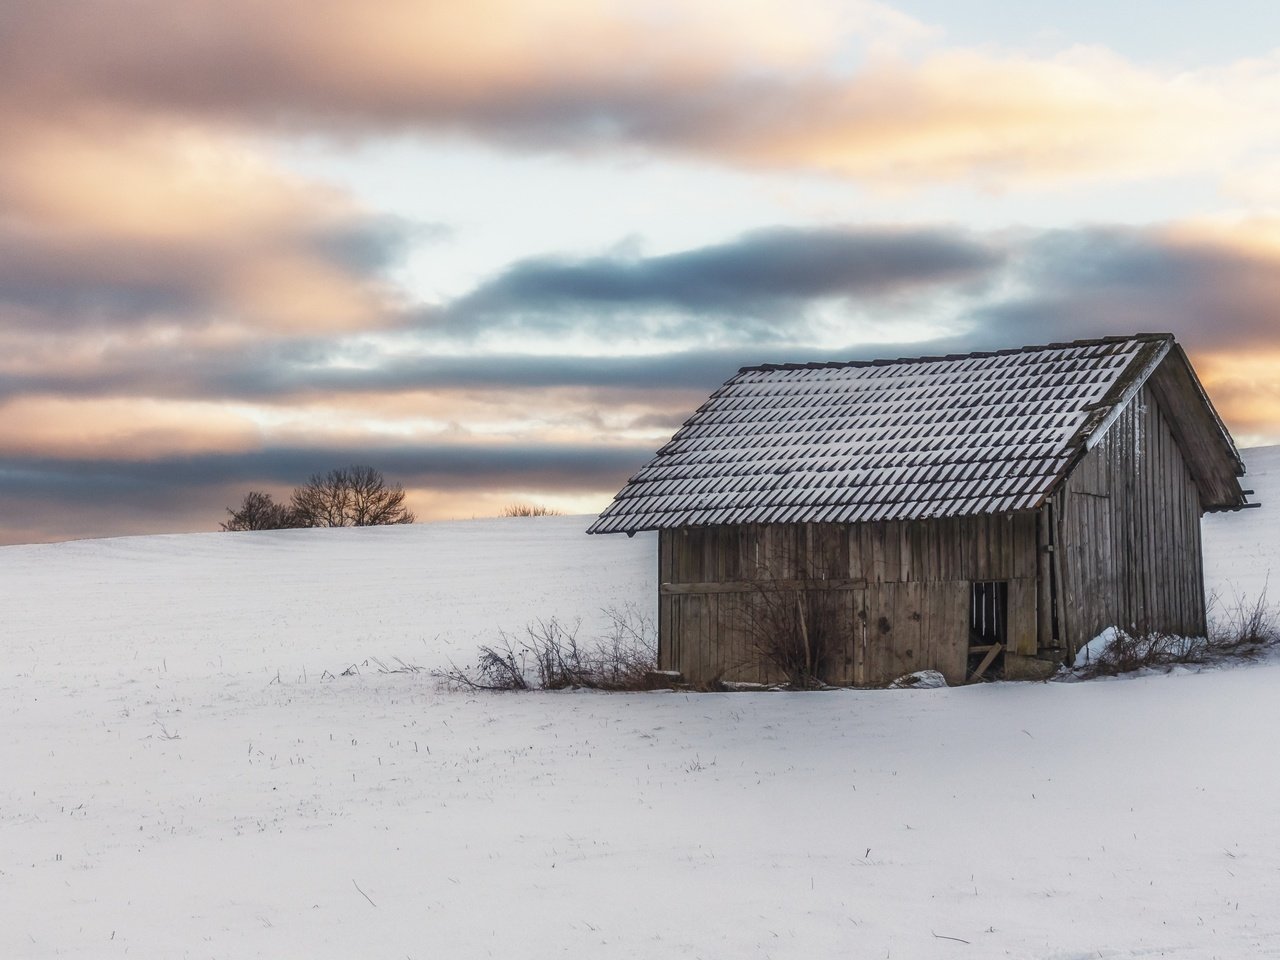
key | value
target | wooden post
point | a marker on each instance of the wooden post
(1059, 600)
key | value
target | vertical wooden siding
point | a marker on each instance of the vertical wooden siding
(1129, 532)
(911, 611)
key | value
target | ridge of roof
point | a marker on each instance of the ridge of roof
(974, 355)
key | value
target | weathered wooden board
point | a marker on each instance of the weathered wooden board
(754, 586)
(901, 588)
(1129, 526)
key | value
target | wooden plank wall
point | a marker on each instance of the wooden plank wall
(902, 587)
(1129, 532)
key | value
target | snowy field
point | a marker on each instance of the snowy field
(187, 773)
(1242, 550)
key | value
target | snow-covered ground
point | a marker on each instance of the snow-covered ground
(1242, 550)
(182, 774)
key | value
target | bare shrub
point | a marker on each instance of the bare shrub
(627, 655)
(498, 667)
(1128, 652)
(529, 510)
(258, 511)
(794, 625)
(1244, 629)
(551, 657)
(559, 661)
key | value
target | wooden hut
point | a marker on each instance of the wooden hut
(971, 514)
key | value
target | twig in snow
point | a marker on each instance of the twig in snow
(942, 937)
(366, 896)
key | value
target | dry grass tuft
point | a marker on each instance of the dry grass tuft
(530, 510)
(551, 657)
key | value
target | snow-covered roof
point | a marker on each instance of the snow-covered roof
(893, 439)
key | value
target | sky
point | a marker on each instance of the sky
(501, 250)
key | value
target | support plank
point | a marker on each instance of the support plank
(992, 652)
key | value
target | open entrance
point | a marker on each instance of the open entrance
(988, 628)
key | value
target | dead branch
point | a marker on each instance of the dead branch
(362, 893)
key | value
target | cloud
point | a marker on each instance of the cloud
(1215, 287)
(120, 427)
(757, 292)
(997, 121)
(276, 372)
(1245, 389)
(114, 226)
(855, 89)
(448, 465)
(754, 284)
(397, 63)
(281, 376)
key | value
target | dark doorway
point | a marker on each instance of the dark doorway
(988, 628)
(989, 612)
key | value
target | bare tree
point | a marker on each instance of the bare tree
(354, 496)
(258, 511)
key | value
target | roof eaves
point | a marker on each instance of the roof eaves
(1204, 397)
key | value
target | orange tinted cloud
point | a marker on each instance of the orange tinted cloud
(1002, 120)
(1245, 388)
(121, 427)
(428, 504)
(561, 413)
(130, 221)
(402, 59)
(139, 428)
(765, 83)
